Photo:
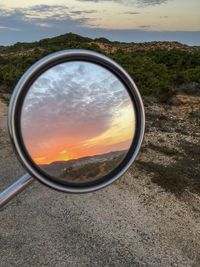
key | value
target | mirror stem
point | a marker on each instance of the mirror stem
(15, 188)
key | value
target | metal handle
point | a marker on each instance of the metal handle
(14, 189)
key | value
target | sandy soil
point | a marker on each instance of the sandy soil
(146, 218)
(3, 115)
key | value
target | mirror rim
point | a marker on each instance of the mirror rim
(22, 89)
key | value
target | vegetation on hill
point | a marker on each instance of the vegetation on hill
(158, 68)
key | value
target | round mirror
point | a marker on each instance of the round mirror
(76, 121)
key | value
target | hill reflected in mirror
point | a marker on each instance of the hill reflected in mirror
(77, 122)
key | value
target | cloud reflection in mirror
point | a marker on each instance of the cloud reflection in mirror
(77, 112)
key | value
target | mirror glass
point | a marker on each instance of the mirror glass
(77, 122)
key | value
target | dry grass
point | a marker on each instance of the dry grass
(90, 171)
(180, 175)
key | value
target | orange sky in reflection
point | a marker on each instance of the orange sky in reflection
(118, 137)
(74, 110)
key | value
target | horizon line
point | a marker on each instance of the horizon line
(95, 155)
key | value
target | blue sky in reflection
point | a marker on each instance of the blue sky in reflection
(76, 109)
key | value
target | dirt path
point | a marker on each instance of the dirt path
(138, 221)
(3, 115)
(10, 168)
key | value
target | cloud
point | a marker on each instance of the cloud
(45, 21)
(41, 14)
(144, 26)
(132, 13)
(55, 11)
(139, 3)
(144, 3)
(74, 101)
(80, 12)
(9, 28)
(163, 17)
(75, 109)
(40, 22)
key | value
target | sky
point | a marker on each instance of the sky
(69, 113)
(121, 20)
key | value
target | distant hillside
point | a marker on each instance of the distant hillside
(85, 169)
(146, 46)
(71, 40)
(158, 68)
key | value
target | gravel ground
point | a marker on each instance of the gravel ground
(137, 221)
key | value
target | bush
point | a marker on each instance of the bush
(152, 79)
(156, 72)
(189, 75)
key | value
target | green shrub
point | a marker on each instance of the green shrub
(156, 72)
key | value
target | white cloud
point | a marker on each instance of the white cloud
(8, 28)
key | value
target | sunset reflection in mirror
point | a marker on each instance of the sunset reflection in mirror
(77, 116)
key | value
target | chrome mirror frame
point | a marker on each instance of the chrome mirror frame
(22, 88)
